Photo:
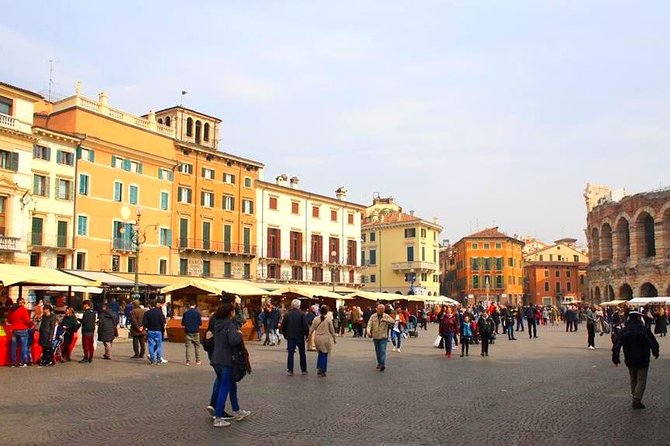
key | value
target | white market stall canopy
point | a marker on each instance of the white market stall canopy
(662, 300)
(375, 296)
(309, 292)
(219, 286)
(612, 303)
(19, 275)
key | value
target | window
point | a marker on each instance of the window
(558, 272)
(164, 237)
(247, 182)
(295, 207)
(184, 195)
(167, 121)
(206, 234)
(5, 105)
(546, 273)
(296, 245)
(546, 286)
(132, 264)
(352, 250)
(486, 246)
(273, 203)
(350, 219)
(558, 287)
(208, 173)
(9, 160)
(228, 203)
(65, 158)
(186, 168)
(207, 199)
(227, 237)
(317, 274)
(247, 206)
(165, 201)
(205, 133)
(206, 268)
(183, 267)
(575, 258)
(373, 257)
(568, 286)
(34, 259)
(541, 258)
(117, 163)
(164, 174)
(41, 185)
(198, 128)
(410, 253)
(229, 178)
(183, 232)
(474, 263)
(410, 232)
(133, 193)
(317, 248)
(118, 191)
(3, 214)
(274, 243)
(82, 225)
(510, 262)
(363, 257)
(189, 127)
(62, 235)
(86, 154)
(296, 273)
(37, 228)
(373, 278)
(423, 253)
(475, 246)
(567, 272)
(424, 277)
(499, 263)
(423, 232)
(162, 266)
(116, 262)
(41, 153)
(83, 184)
(333, 215)
(499, 282)
(487, 264)
(498, 245)
(80, 261)
(246, 239)
(475, 282)
(246, 271)
(363, 237)
(373, 236)
(63, 189)
(315, 211)
(551, 257)
(227, 270)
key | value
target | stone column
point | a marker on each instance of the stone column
(617, 255)
(662, 234)
(635, 234)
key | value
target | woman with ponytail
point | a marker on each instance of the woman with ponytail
(323, 330)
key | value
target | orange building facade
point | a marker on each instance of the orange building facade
(489, 266)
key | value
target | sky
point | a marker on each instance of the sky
(479, 113)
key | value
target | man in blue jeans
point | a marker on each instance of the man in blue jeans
(19, 320)
(378, 328)
(154, 323)
(295, 330)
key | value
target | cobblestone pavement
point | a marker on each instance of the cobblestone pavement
(546, 391)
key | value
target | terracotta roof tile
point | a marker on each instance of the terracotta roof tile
(491, 233)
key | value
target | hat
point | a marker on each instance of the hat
(634, 313)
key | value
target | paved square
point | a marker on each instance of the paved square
(546, 391)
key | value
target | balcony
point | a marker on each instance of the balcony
(44, 240)
(9, 243)
(416, 266)
(123, 244)
(206, 245)
(10, 122)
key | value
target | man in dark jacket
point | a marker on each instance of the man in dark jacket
(637, 342)
(47, 332)
(191, 321)
(154, 324)
(295, 330)
(87, 321)
(108, 321)
(531, 318)
(137, 330)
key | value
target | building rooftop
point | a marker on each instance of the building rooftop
(22, 90)
(491, 233)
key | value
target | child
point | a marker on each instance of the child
(466, 335)
(486, 329)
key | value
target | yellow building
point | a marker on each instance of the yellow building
(399, 251)
(213, 200)
(123, 173)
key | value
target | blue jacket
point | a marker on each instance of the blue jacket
(191, 321)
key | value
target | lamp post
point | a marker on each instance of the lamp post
(138, 237)
(411, 279)
(333, 268)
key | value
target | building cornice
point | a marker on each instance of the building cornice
(260, 185)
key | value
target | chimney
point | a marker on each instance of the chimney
(281, 180)
(103, 102)
(294, 182)
(341, 193)
(411, 213)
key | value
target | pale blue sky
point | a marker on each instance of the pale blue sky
(470, 111)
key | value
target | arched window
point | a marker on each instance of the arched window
(623, 240)
(160, 120)
(648, 290)
(167, 121)
(606, 242)
(596, 294)
(189, 127)
(625, 292)
(198, 130)
(205, 134)
(647, 239)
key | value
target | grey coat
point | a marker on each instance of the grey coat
(226, 338)
(107, 322)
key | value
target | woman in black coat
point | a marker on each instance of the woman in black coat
(661, 322)
(107, 329)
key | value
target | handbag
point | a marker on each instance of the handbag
(239, 365)
(208, 342)
(438, 341)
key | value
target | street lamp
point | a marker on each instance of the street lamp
(138, 237)
(333, 267)
(411, 279)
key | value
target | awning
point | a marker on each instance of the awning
(35, 275)
(662, 300)
(308, 292)
(217, 286)
(110, 280)
(74, 289)
(153, 280)
(612, 303)
(442, 300)
(372, 295)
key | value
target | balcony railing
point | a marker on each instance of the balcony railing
(192, 244)
(41, 239)
(417, 266)
(123, 244)
(14, 124)
(9, 243)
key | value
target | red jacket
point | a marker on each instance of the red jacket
(449, 324)
(19, 319)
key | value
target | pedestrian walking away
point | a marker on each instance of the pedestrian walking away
(531, 318)
(19, 320)
(486, 328)
(378, 328)
(191, 321)
(108, 329)
(137, 330)
(638, 343)
(295, 330)
(323, 331)
(88, 322)
(154, 323)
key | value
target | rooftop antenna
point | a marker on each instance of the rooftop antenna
(51, 78)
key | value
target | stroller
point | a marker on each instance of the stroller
(57, 344)
(412, 327)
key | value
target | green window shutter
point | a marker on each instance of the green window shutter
(160, 174)
(114, 161)
(78, 152)
(126, 165)
(35, 184)
(47, 187)
(139, 168)
(169, 237)
(91, 155)
(14, 163)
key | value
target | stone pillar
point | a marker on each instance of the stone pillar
(635, 234)
(662, 234)
(103, 102)
(151, 117)
(617, 255)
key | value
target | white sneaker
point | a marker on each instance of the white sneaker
(399, 351)
(220, 422)
(394, 348)
(211, 411)
(591, 347)
(164, 361)
(241, 414)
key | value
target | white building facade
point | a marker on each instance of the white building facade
(305, 237)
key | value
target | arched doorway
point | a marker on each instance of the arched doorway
(595, 245)
(606, 242)
(596, 294)
(623, 240)
(610, 292)
(647, 240)
(625, 292)
(648, 290)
